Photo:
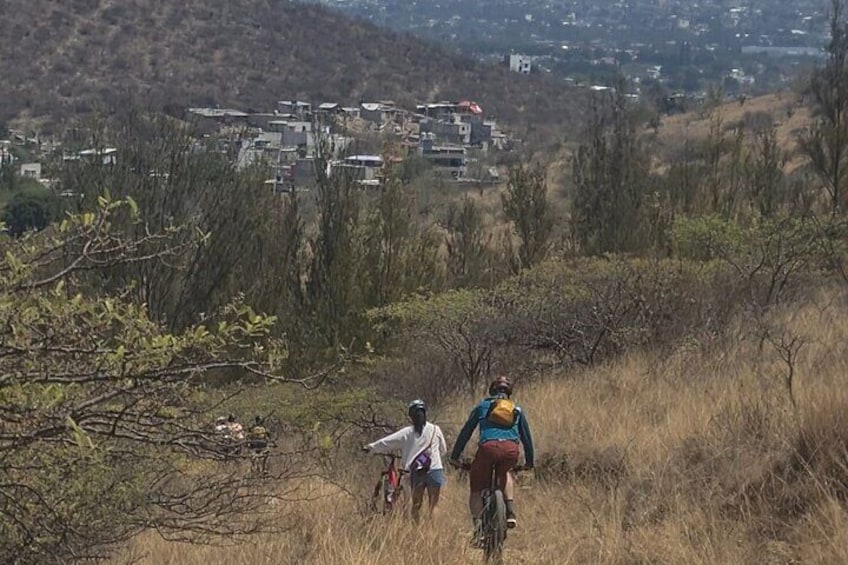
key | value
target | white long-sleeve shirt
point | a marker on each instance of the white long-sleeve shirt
(412, 444)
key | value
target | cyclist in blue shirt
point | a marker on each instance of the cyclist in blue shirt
(497, 447)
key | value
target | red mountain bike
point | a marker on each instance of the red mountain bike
(389, 494)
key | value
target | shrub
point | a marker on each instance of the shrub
(32, 208)
(102, 433)
(562, 312)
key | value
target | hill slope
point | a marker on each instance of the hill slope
(695, 457)
(785, 110)
(58, 58)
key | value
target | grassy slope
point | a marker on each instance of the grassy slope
(790, 120)
(688, 459)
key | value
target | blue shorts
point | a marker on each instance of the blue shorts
(434, 478)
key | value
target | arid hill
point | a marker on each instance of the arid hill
(63, 58)
(786, 111)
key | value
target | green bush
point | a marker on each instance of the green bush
(568, 313)
(772, 257)
(101, 423)
(33, 208)
(706, 238)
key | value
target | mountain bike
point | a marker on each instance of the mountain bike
(493, 520)
(389, 493)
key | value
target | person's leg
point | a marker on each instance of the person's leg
(479, 475)
(436, 479)
(509, 486)
(433, 494)
(475, 503)
(509, 499)
(508, 456)
(266, 453)
(417, 500)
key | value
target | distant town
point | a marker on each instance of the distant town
(297, 137)
(745, 46)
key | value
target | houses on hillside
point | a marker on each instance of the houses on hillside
(290, 139)
(295, 138)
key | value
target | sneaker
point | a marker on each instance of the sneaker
(477, 540)
(511, 521)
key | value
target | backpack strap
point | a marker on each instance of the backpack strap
(430, 445)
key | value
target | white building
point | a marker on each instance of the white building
(105, 156)
(31, 170)
(520, 64)
(361, 167)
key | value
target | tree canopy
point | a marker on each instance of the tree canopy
(104, 422)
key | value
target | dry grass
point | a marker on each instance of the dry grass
(694, 458)
(789, 120)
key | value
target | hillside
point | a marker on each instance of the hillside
(60, 58)
(782, 109)
(694, 457)
(785, 110)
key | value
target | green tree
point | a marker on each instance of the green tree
(611, 175)
(826, 143)
(461, 324)
(468, 253)
(773, 259)
(31, 208)
(177, 182)
(525, 205)
(332, 288)
(102, 432)
(399, 255)
(724, 163)
(766, 182)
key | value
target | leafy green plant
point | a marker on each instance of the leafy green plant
(104, 429)
(32, 208)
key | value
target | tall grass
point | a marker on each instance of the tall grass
(697, 457)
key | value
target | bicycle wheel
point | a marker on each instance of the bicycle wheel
(378, 499)
(494, 527)
(398, 499)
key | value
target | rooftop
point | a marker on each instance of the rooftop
(218, 112)
(364, 158)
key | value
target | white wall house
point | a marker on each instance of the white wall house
(520, 64)
(31, 170)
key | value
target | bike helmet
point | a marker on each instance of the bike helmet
(416, 405)
(501, 385)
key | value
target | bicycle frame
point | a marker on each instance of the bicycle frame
(388, 490)
(392, 479)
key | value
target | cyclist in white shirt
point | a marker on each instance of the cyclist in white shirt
(422, 446)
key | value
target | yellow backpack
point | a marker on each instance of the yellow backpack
(257, 433)
(502, 413)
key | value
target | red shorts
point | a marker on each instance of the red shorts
(502, 455)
